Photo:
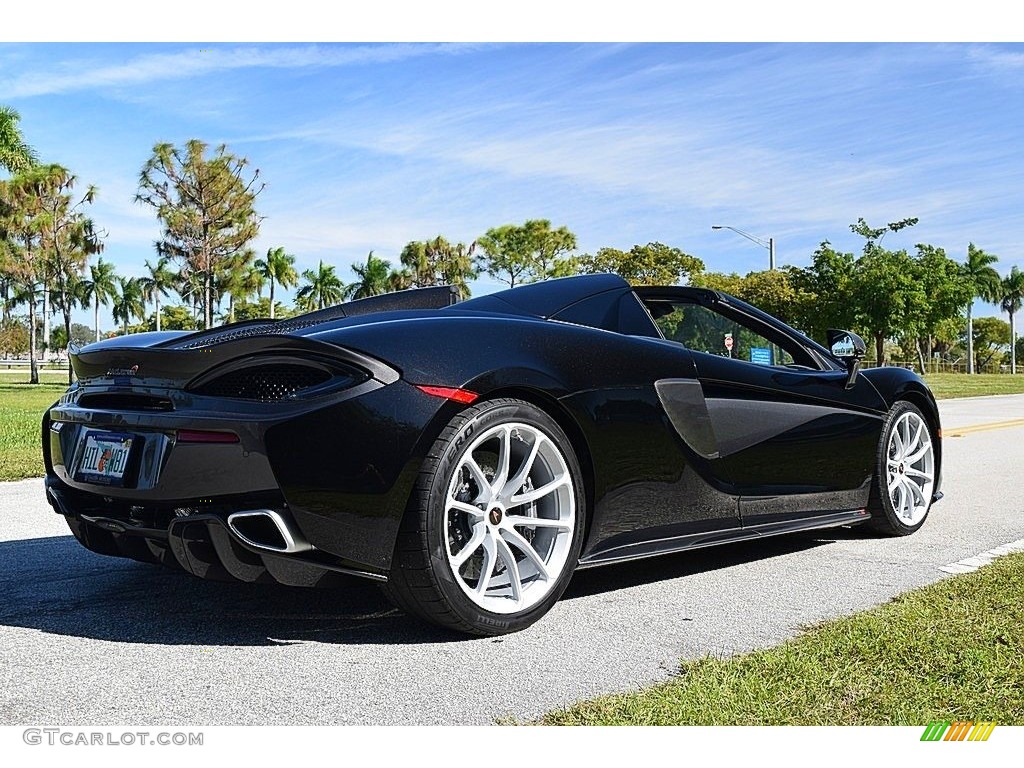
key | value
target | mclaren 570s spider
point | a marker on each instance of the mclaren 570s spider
(470, 456)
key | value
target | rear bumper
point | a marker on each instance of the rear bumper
(200, 543)
(344, 469)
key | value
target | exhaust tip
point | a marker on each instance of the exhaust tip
(267, 529)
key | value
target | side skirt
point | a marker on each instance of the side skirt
(727, 536)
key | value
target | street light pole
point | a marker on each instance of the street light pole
(769, 243)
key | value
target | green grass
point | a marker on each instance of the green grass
(950, 651)
(22, 405)
(21, 411)
(945, 385)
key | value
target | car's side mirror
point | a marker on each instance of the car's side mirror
(848, 348)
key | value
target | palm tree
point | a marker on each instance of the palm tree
(279, 268)
(323, 289)
(23, 212)
(439, 262)
(157, 283)
(985, 284)
(66, 299)
(1010, 301)
(400, 280)
(99, 288)
(240, 281)
(15, 154)
(128, 303)
(373, 278)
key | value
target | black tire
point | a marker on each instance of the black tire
(885, 519)
(422, 582)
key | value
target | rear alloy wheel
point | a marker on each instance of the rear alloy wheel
(905, 480)
(494, 532)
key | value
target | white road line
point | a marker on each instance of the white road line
(969, 564)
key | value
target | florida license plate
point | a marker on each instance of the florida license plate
(105, 458)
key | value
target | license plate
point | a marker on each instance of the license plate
(105, 458)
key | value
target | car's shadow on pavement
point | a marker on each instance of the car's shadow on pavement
(54, 585)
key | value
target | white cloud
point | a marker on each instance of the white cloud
(80, 76)
(996, 59)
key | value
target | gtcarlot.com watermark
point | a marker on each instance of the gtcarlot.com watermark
(69, 737)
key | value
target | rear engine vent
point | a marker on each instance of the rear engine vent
(125, 401)
(266, 383)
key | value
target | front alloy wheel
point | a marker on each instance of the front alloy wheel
(905, 481)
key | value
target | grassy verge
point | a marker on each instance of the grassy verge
(21, 411)
(22, 405)
(950, 651)
(945, 385)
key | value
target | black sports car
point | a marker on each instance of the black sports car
(470, 456)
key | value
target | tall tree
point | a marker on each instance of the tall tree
(651, 264)
(128, 304)
(1010, 301)
(826, 289)
(100, 287)
(15, 155)
(278, 268)
(323, 288)
(985, 284)
(158, 281)
(887, 296)
(68, 238)
(22, 219)
(946, 292)
(436, 262)
(524, 253)
(206, 206)
(373, 278)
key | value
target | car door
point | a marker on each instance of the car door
(770, 415)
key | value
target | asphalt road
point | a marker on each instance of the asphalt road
(86, 639)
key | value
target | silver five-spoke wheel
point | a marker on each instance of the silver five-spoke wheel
(510, 515)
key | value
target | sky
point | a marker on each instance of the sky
(366, 146)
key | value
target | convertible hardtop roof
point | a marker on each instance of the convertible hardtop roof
(544, 299)
(600, 301)
(547, 298)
